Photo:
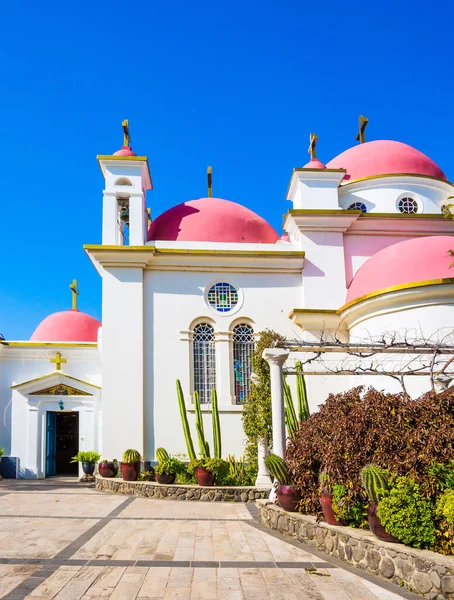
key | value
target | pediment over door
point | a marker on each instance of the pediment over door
(56, 384)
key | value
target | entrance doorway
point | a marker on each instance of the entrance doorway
(62, 443)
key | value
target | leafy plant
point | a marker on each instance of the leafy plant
(213, 465)
(86, 456)
(185, 422)
(445, 507)
(406, 514)
(237, 474)
(105, 460)
(146, 476)
(278, 469)
(2, 451)
(443, 475)
(186, 478)
(375, 481)
(131, 456)
(170, 466)
(444, 533)
(353, 512)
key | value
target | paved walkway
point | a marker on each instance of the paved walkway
(61, 540)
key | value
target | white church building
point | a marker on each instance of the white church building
(364, 246)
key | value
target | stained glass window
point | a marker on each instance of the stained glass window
(223, 297)
(358, 206)
(243, 346)
(204, 361)
(408, 205)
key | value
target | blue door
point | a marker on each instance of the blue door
(51, 444)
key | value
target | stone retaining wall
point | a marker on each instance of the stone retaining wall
(150, 489)
(424, 572)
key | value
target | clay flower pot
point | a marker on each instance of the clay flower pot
(130, 471)
(108, 469)
(164, 478)
(326, 500)
(204, 478)
(288, 497)
(88, 468)
(376, 527)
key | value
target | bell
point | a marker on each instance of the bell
(124, 216)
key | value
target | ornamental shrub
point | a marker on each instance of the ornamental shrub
(444, 533)
(358, 427)
(445, 507)
(354, 513)
(406, 514)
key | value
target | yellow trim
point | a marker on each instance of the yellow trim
(196, 251)
(51, 344)
(322, 211)
(305, 169)
(312, 311)
(13, 387)
(350, 181)
(402, 215)
(395, 288)
(116, 157)
(367, 215)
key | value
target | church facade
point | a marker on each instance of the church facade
(365, 248)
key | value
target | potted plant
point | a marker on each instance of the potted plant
(288, 496)
(375, 481)
(88, 458)
(130, 465)
(326, 499)
(167, 468)
(205, 469)
(107, 468)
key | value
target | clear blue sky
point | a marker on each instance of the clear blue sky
(238, 85)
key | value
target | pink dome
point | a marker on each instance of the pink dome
(384, 157)
(67, 326)
(125, 151)
(211, 220)
(412, 261)
(314, 163)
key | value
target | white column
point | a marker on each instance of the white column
(263, 477)
(276, 358)
(224, 369)
(110, 228)
(137, 216)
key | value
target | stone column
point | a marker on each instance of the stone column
(276, 358)
(263, 477)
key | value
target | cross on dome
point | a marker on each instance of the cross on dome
(75, 293)
(312, 145)
(361, 135)
(126, 136)
(210, 181)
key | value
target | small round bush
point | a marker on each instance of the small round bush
(445, 507)
(406, 515)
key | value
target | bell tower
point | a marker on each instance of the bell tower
(127, 180)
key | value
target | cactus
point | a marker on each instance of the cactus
(301, 393)
(216, 424)
(289, 409)
(198, 412)
(236, 467)
(184, 421)
(278, 469)
(131, 456)
(375, 481)
(162, 455)
(203, 444)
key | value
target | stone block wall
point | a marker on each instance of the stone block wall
(424, 572)
(150, 489)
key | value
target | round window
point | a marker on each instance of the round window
(358, 206)
(223, 297)
(408, 206)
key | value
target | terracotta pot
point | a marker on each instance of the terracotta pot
(164, 478)
(88, 468)
(326, 500)
(288, 497)
(130, 471)
(376, 527)
(204, 478)
(108, 469)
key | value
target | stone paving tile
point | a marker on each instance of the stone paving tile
(13, 575)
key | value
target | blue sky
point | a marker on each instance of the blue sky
(238, 85)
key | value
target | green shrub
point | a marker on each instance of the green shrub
(442, 476)
(406, 514)
(186, 478)
(214, 465)
(86, 456)
(444, 511)
(354, 512)
(170, 466)
(445, 507)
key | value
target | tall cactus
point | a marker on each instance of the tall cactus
(278, 469)
(185, 423)
(162, 455)
(203, 444)
(216, 424)
(375, 480)
(301, 393)
(289, 411)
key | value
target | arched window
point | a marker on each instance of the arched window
(358, 206)
(408, 206)
(243, 346)
(204, 361)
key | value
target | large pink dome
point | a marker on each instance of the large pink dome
(384, 157)
(67, 326)
(412, 261)
(211, 220)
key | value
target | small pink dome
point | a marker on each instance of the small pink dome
(211, 220)
(314, 163)
(125, 151)
(67, 326)
(412, 261)
(384, 157)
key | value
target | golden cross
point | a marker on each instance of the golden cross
(58, 360)
(126, 137)
(210, 182)
(313, 142)
(149, 216)
(361, 135)
(73, 288)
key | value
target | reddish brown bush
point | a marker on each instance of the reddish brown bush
(355, 428)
